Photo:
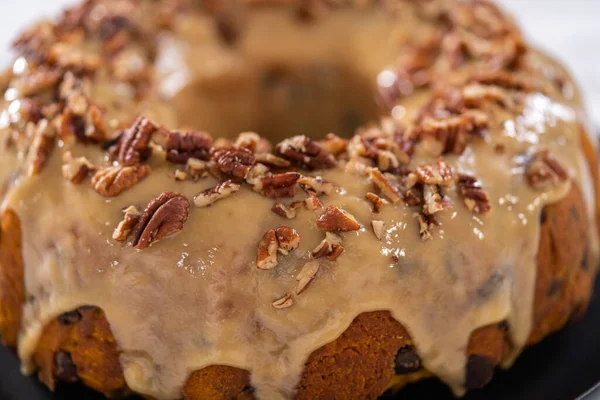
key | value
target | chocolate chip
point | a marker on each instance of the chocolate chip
(64, 368)
(69, 318)
(480, 371)
(407, 361)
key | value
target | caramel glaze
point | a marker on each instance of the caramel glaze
(197, 299)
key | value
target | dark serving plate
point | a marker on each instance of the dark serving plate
(565, 366)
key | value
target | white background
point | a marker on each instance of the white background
(569, 29)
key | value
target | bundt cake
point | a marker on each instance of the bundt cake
(274, 199)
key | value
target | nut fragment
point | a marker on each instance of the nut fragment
(163, 216)
(306, 153)
(313, 203)
(278, 185)
(438, 173)
(426, 225)
(545, 171)
(253, 142)
(330, 247)
(134, 144)
(337, 219)
(377, 201)
(316, 184)
(130, 219)
(385, 185)
(112, 181)
(288, 239)
(233, 162)
(434, 201)
(270, 159)
(76, 169)
(214, 194)
(333, 144)
(44, 139)
(475, 198)
(378, 229)
(284, 211)
(266, 258)
(284, 302)
(306, 275)
(181, 146)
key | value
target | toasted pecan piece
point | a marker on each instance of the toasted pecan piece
(134, 144)
(330, 247)
(287, 239)
(438, 173)
(544, 171)
(232, 162)
(112, 181)
(305, 152)
(475, 198)
(306, 275)
(337, 220)
(214, 194)
(44, 140)
(278, 185)
(378, 229)
(266, 257)
(130, 219)
(284, 302)
(76, 169)
(384, 184)
(181, 146)
(165, 215)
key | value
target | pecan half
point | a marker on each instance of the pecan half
(130, 219)
(288, 239)
(214, 194)
(165, 215)
(306, 275)
(337, 219)
(266, 258)
(181, 146)
(377, 201)
(330, 247)
(233, 162)
(544, 171)
(284, 302)
(44, 139)
(385, 185)
(305, 152)
(278, 185)
(378, 229)
(76, 169)
(475, 198)
(112, 181)
(438, 173)
(134, 144)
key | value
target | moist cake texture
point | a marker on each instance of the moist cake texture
(288, 199)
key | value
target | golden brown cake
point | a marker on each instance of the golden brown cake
(275, 199)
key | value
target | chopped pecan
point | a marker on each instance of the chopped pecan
(544, 171)
(180, 175)
(278, 185)
(306, 275)
(214, 194)
(305, 152)
(378, 229)
(181, 146)
(333, 144)
(233, 162)
(266, 258)
(387, 161)
(434, 201)
(316, 185)
(475, 198)
(337, 219)
(134, 144)
(256, 173)
(330, 247)
(112, 181)
(44, 139)
(426, 225)
(286, 212)
(377, 201)
(197, 168)
(163, 216)
(284, 302)
(270, 159)
(505, 80)
(40, 79)
(386, 187)
(438, 173)
(313, 203)
(288, 239)
(253, 142)
(76, 169)
(130, 219)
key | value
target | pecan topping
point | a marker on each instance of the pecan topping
(40, 79)
(253, 142)
(377, 201)
(386, 187)
(233, 162)
(163, 216)
(475, 198)
(44, 138)
(306, 275)
(288, 239)
(426, 225)
(337, 219)
(316, 185)
(333, 144)
(256, 173)
(286, 212)
(76, 169)
(330, 247)
(214, 194)
(134, 144)
(182, 146)
(279, 185)
(313, 203)
(434, 201)
(437, 174)
(545, 171)
(130, 219)
(266, 258)
(112, 181)
(270, 159)
(197, 168)
(306, 153)
(378, 229)
(284, 302)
